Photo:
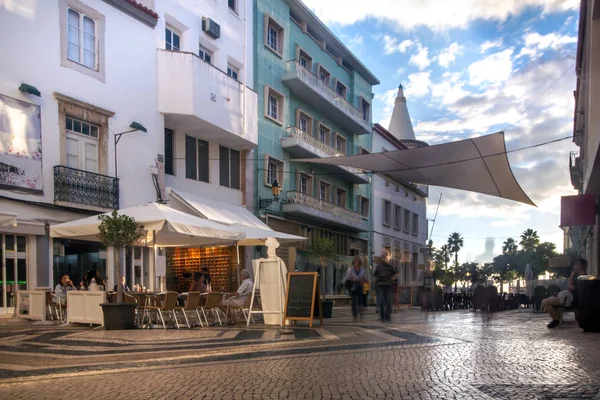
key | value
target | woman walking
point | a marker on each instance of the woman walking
(355, 278)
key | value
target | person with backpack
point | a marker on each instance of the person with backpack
(385, 275)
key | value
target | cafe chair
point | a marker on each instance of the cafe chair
(191, 306)
(211, 306)
(138, 312)
(167, 306)
(60, 310)
(245, 308)
(51, 307)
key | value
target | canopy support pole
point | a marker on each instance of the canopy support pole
(152, 265)
(237, 264)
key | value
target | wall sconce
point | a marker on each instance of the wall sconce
(276, 191)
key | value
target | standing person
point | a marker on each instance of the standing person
(385, 274)
(356, 277)
(64, 285)
(566, 297)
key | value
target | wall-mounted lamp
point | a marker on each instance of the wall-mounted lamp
(29, 89)
(276, 191)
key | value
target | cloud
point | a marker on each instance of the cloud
(392, 46)
(535, 43)
(421, 58)
(494, 68)
(488, 44)
(434, 14)
(387, 98)
(448, 55)
(418, 84)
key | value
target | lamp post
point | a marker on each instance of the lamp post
(135, 126)
(276, 191)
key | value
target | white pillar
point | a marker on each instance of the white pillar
(152, 268)
(110, 267)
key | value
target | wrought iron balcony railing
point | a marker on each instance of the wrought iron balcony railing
(87, 188)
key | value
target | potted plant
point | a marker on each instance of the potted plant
(118, 231)
(323, 249)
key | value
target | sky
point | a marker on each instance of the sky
(470, 68)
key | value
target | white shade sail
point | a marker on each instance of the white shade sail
(477, 165)
(239, 218)
(172, 227)
(8, 219)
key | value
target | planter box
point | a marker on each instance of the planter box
(118, 316)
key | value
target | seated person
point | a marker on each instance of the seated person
(240, 297)
(125, 287)
(60, 291)
(565, 298)
(199, 283)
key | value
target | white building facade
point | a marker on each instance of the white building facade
(399, 208)
(169, 74)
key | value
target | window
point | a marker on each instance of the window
(324, 75)
(325, 191)
(82, 145)
(340, 89)
(364, 207)
(171, 39)
(387, 213)
(273, 171)
(398, 218)
(366, 110)
(273, 35)
(232, 5)
(229, 167)
(304, 59)
(340, 144)
(324, 134)
(303, 184)
(274, 105)
(406, 220)
(305, 121)
(169, 146)
(196, 159)
(232, 71)
(82, 39)
(340, 198)
(415, 225)
(205, 55)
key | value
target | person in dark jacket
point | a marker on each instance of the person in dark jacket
(385, 275)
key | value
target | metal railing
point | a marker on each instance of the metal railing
(325, 91)
(337, 212)
(573, 159)
(294, 132)
(81, 187)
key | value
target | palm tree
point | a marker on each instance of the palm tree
(529, 240)
(455, 243)
(445, 250)
(509, 246)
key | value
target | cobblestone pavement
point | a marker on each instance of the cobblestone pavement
(444, 355)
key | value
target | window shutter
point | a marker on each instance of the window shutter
(297, 179)
(266, 169)
(334, 84)
(266, 28)
(280, 173)
(298, 118)
(298, 53)
(224, 166)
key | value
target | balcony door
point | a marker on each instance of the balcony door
(82, 153)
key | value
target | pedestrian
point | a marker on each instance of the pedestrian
(355, 279)
(385, 274)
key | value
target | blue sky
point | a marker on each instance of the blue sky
(472, 67)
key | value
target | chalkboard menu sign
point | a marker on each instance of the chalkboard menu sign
(302, 301)
(404, 295)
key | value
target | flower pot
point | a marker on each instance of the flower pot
(118, 316)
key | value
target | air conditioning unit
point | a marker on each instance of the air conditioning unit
(211, 28)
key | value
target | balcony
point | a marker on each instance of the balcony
(76, 188)
(303, 206)
(302, 144)
(316, 92)
(198, 98)
(576, 169)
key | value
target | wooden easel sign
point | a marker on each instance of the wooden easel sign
(302, 299)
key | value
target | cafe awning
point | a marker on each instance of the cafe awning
(239, 218)
(477, 165)
(8, 219)
(173, 228)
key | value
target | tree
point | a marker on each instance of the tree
(455, 243)
(509, 246)
(445, 252)
(529, 240)
(323, 249)
(118, 231)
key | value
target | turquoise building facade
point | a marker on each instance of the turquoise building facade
(314, 100)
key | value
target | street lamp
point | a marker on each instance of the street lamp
(135, 126)
(276, 191)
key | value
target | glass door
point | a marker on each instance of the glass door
(14, 269)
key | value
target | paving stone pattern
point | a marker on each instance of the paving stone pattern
(419, 355)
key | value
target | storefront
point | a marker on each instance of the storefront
(220, 261)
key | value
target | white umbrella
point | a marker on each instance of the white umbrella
(172, 228)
